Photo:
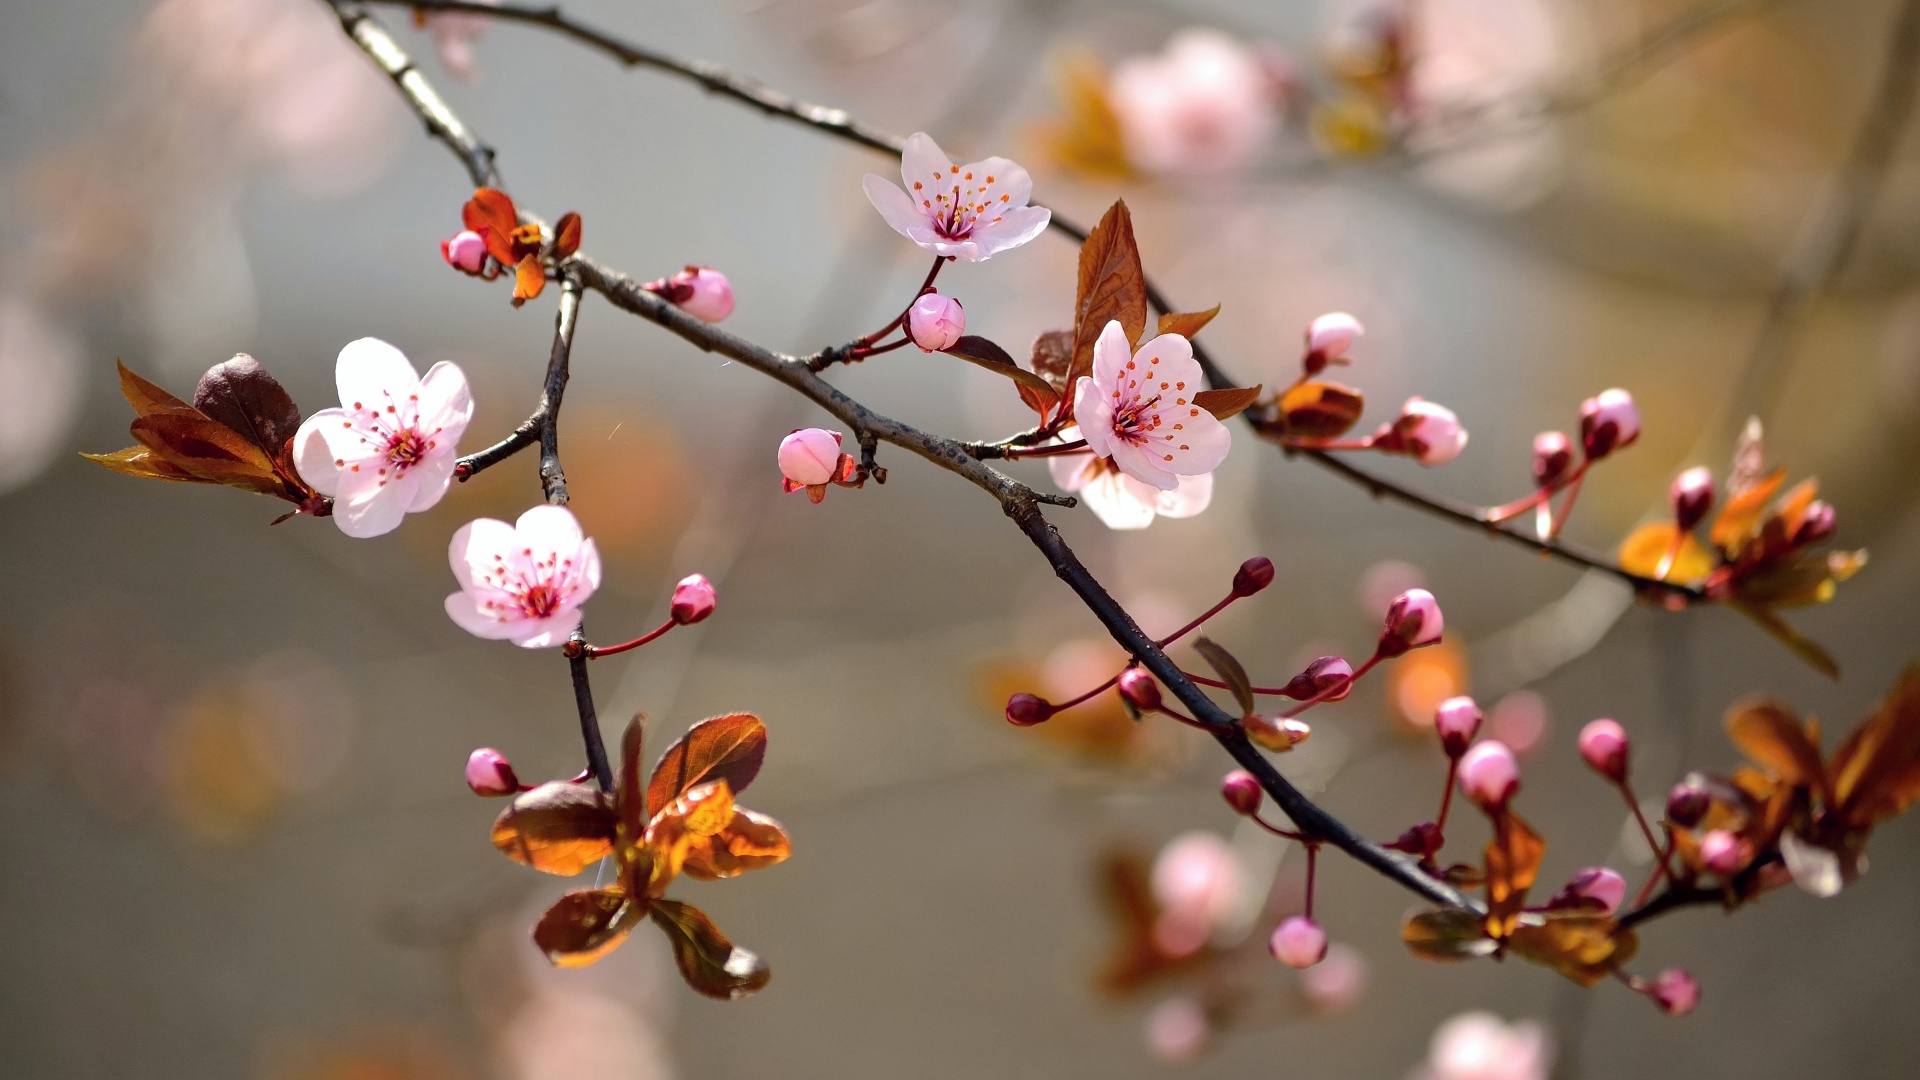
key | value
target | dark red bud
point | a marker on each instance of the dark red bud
(1254, 574)
(1139, 689)
(1687, 803)
(1322, 674)
(1552, 458)
(1691, 497)
(1241, 791)
(1422, 840)
(1816, 524)
(1026, 710)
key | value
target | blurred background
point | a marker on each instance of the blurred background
(237, 842)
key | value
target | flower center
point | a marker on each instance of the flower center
(406, 447)
(955, 219)
(539, 600)
(1136, 420)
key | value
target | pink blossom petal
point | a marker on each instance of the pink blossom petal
(369, 370)
(432, 477)
(446, 405)
(898, 209)
(1189, 497)
(922, 160)
(366, 504)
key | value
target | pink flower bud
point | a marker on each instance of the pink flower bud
(1254, 575)
(693, 599)
(465, 252)
(1608, 422)
(1687, 803)
(1139, 688)
(1675, 992)
(1724, 853)
(810, 456)
(1298, 942)
(1426, 432)
(1816, 524)
(1329, 337)
(1603, 744)
(1241, 791)
(1691, 497)
(1456, 720)
(1321, 675)
(1552, 457)
(1026, 710)
(1276, 734)
(490, 774)
(1489, 775)
(1598, 884)
(702, 292)
(1336, 983)
(1413, 620)
(1177, 1031)
(936, 322)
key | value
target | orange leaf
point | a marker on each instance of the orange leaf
(1649, 546)
(729, 747)
(529, 277)
(1320, 410)
(1513, 861)
(144, 396)
(1187, 323)
(141, 461)
(1742, 512)
(1112, 286)
(708, 962)
(1770, 735)
(705, 810)
(1584, 948)
(629, 798)
(1229, 403)
(557, 828)
(211, 451)
(1877, 773)
(491, 213)
(1447, 935)
(587, 924)
(748, 842)
(566, 235)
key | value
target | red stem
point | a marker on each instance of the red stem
(592, 651)
(1659, 871)
(1277, 830)
(1162, 643)
(1566, 507)
(861, 346)
(1446, 796)
(1269, 691)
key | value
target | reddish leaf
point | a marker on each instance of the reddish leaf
(1772, 737)
(728, 748)
(557, 828)
(1052, 356)
(708, 962)
(1876, 774)
(587, 924)
(1447, 935)
(141, 461)
(1320, 410)
(1584, 948)
(1230, 672)
(629, 798)
(241, 395)
(1229, 403)
(1741, 515)
(208, 450)
(1034, 390)
(1187, 323)
(1112, 286)
(1513, 862)
(566, 235)
(144, 396)
(529, 278)
(491, 213)
(749, 842)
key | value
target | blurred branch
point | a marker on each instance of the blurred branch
(1018, 501)
(838, 123)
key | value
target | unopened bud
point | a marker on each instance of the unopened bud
(1026, 710)
(1489, 775)
(1298, 942)
(702, 292)
(1608, 422)
(1413, 620)
(1724, 852)
(1328, 674)
(1816, 524)
(1328, 338)
(809, 456)
(1596, 885)
(466, 251)
(1691, 497)
(1275, 733)
(490, 774)
(1552, 458)
(1430, 434)
(1675, 991)
(1422, 840)
(693, 599)
(1688, 802)
(1254, 574)
(1139, 689)
(1456, 720)
(935, 322)
(1241, 791)
(1603, 744)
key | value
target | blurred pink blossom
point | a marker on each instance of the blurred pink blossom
(1480, 1046)
(1205, 105)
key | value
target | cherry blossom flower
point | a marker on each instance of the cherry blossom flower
(1137, 408)
(1119, 500)
(935, 322)
(389, 450)
(1205, 105)
(1480, 1046)
(1178, 1031)
(1337, 982)
(969, 212)
(523, 582)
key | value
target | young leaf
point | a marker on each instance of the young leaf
(529, 277)
(1229, 403)
(144, 396)
(1187, 323)
(728, 748)
(1137, 957)
(587, 924)
(1771, 737)
(1230, 672)
(211, 451)
(1034, 390)
(1584, 948)
(557, 828)
(1741, 515)
(1805, 648)
(1643, 552)
(1052, 356)
(141, 461)
(629, 797)
(492, 214)
(1513, 862)
(240, 395)
(708, 962)
(748, 842)
(1112, 286)
(1320, 410)
(1446, 935)
(1876, 774)
(566, 235)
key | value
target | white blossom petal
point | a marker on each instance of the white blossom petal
(366, 504)
(433, 476)
(898, 209)
(446, 405)
(1188, 498)
(921, 160)
(370, 370)
(1120, 501)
